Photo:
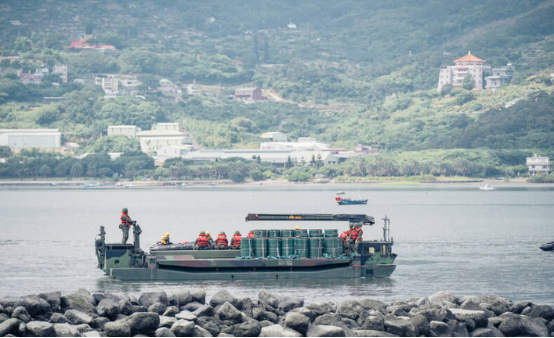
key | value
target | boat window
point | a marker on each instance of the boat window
(384, 250)
(371, 250)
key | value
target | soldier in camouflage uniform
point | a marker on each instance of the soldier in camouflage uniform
(126, 223)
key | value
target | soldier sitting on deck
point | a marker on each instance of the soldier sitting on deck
(202, 242)
(236, 240)
(165, 239)
(221, 242)
(355, 236)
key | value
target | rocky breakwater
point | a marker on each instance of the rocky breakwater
(188, 314)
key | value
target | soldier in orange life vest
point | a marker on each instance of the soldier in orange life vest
(236, 240)
(126, 223)
(356, 236)
(251, 234)
(221, 242)
(202, 242)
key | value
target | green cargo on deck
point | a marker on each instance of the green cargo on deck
(271, 254)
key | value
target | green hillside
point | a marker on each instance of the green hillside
(349, 72)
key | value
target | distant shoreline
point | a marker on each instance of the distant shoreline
(226, 184)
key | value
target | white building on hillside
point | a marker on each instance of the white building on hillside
(31, 138)
(129, 131)
(162, 135)
(303, 144)
(275, 136)
(538, 165)
(469, 64)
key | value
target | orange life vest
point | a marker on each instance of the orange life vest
(221, 240)
(357, 232)
(124, 221)
(250, 234)
(236, 240)
(344, 235)
(202, 240)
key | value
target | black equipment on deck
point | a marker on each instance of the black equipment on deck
(352, 218)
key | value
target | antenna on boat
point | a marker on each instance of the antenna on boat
(386, 229)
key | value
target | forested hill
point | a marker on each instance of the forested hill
(346, 72)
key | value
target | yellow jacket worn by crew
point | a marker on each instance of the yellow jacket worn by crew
(165, 239)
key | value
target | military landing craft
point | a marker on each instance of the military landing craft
(271, 254)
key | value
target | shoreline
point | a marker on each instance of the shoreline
(268, 184)
(189, 314)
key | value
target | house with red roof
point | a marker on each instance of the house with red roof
(468, 64)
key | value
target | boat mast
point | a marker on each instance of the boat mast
(386, 229)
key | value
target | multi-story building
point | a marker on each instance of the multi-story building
(469, 64)
(162, 135)
(275, 136)
(500, 77)
(110, 83)
(31, 138)
(249, 94)
(538, 165)
(129, 131)
(61, 71)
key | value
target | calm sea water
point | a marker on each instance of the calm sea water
(461, 240)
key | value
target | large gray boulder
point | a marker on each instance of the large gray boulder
(183, 328)
(21, 313)
(249, 328)
(34, 305)
(306, 312)
(223, 296)
(186, 315)
(287, 304)
(245, 305)
(52, 298)
(278, 331)
(519, 306)
(9, 326)
(86, 296)
(260, 315)
(325, 331)
(422, 324)
(442, 298)
(297, 322)
(400, 326)
(183, 297)
(167, 321)
(99, 323)
(322, 308)
(228, 312)
(440, 329)
(199, 296)
(459, 329)
(204, 311)
(125, 307)
(74, 302)
(58, 318)
(373, 323)
(108, 308)
(332, 319)
(148, 298)
(164, 332)
(92, 333)
(40, 329)
(210, 324)
(478, 316)
(171, 311)
(352, 309)
(77, 317)
(158, 308)
(119, 328)
(542, 311)
(268, 299)
(372, 304)
(516, 325)
(143, 322)
(66, 330)
(192, 306)
(201, 332)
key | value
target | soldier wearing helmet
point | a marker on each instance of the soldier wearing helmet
(126, 223)
(202, 242)
(165, 239)
(236, 240)
(221, 242)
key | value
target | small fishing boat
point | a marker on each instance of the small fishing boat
(547, 246)
(349, 201)
(487, 187)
